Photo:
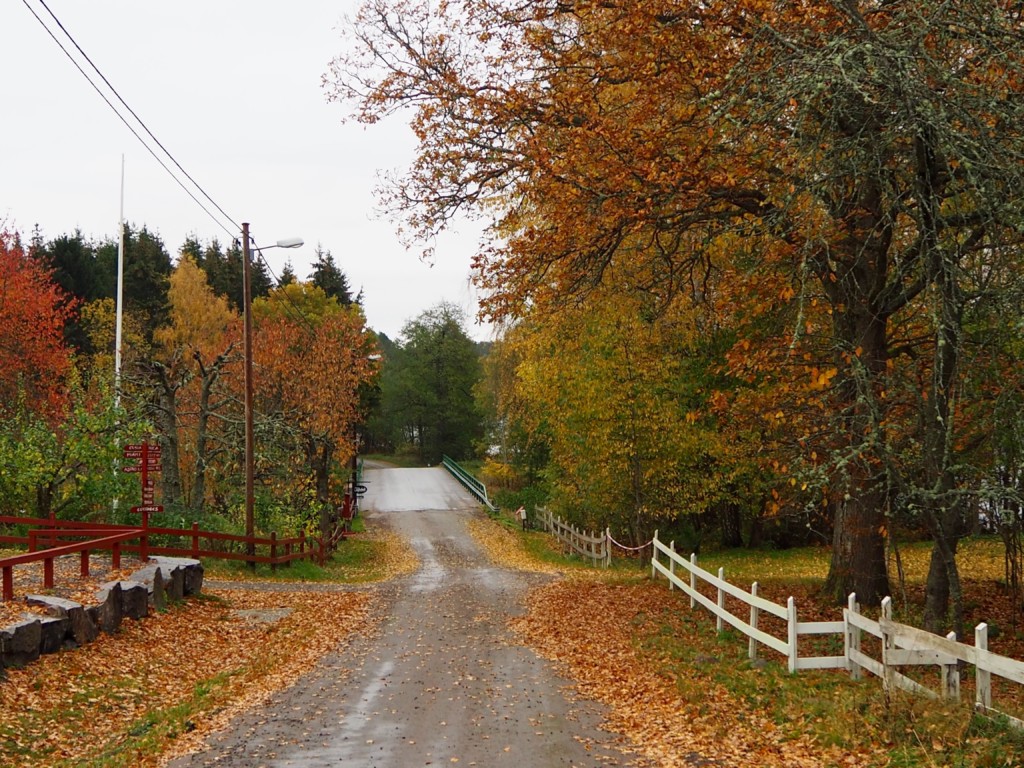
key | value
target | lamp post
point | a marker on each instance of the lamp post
(250, 489)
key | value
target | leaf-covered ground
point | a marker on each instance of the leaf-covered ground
(681, 695)
(202, 657)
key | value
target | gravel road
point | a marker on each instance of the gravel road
(441, 682)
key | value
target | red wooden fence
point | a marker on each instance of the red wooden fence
(45, 534)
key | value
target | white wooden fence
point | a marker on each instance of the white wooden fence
(597, 548)
(901, 645)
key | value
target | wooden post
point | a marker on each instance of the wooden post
(195, 539)
(982, 677)
(888, 644)
(951, 676)
(608, 547)
(754, 613)
(654, 556)
(671, 565)
(693, 580)
(144, 540)
(792, 635)
(84, 568)
(8, 579)
(48, 573)
(115, 556)
(719, 624)
(852, 636)
(273, 550)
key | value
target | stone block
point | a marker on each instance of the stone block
(83, 628)
(192, 572)
(152, 576)
(109, 611)
(54, 630)
(134, 599)
(20, 642)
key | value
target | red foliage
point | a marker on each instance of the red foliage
(34, 360)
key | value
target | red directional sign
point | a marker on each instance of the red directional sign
(148, 508)
(153, 454)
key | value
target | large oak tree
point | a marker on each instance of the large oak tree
(842, 180)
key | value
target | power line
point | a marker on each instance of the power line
(124, 120)
(295, 310)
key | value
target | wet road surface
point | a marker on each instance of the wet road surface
(441, 682)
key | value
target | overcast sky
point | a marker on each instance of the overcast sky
(232, 88)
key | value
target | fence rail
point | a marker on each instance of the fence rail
(471, 484)
(901, 645)
(112, 541)
(597, 548)
(44, 536)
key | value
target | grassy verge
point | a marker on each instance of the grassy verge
(365, 556)
(847, 722)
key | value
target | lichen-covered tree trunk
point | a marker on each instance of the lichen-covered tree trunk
(860, 485)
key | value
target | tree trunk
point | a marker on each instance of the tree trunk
(859, 478)
(942, 585)
(730, 520)
(167, 420)
(858, 550)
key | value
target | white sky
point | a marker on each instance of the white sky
(233, 89)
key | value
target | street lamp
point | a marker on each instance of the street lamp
(250, 490)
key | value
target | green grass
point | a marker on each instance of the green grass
(355, 561)
(978, 558)
(903, 731)
(149, 734)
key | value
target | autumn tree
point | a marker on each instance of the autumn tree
(34, 360)
(191, 353)
(612, 392)
(60, 428)
(854, 167)
(313, 357)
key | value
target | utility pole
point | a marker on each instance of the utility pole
(250, 520)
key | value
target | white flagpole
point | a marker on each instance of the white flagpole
(120, 295)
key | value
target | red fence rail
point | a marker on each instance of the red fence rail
(46, 557)
(45, 535)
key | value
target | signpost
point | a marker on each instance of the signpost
(147, 458)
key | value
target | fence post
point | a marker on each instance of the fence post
(852, 636)
(654, 556)
(144, 539)
(48, 573)
(791, 626)
(888, 643)
(302, 542)
(982, 677)
(608, 547)
(8, 582)
(951, 676)
(721, 601)
(115, 556)
(693, 580)
(273, 550)
(84, 570)
(671, 565)
(754, 613)
(195, 539)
